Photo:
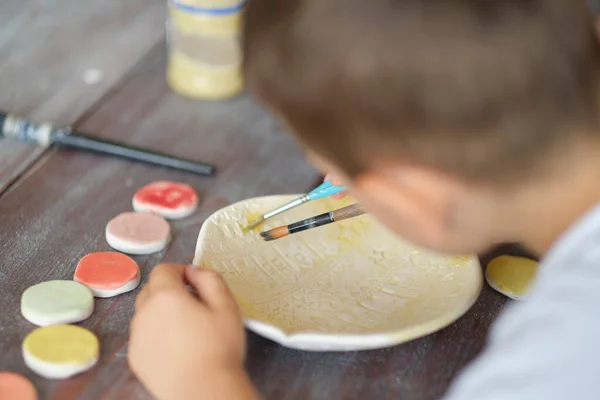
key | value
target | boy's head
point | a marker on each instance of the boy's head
(432, 110)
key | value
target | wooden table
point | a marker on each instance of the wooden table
(54, 205)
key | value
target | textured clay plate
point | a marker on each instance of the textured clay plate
(342, 287)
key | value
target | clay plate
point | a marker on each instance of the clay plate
(342, 287)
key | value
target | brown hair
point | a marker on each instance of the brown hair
(479, 88)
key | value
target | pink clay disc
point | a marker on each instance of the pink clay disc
(138, 233)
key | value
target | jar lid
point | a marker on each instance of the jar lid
(207, 10)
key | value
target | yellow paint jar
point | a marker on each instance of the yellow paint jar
(204, 54)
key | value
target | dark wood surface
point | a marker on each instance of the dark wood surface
(54, 205)
(46, 48)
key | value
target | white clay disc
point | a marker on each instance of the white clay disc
(138, 233)
(108, 274)
(171, 200)
(57, 302)
(128, 287)
(60, 351)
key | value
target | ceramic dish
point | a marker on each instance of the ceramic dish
(346, 286)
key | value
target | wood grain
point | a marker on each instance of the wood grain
(46, 47)
(57, 212)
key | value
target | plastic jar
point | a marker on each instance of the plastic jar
(204, 54)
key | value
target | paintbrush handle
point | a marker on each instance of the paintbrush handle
(102, 146)
(326, 189)
(45, 135)
(340, 214)
(285, 207)
(351, 211)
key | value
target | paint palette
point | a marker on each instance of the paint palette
(346, 286)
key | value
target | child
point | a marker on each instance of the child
(459, 124)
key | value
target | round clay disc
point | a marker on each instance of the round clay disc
(138, 233)
(108, 274)
(60, 351)
(16, 387)
(171, 200)
(511, 276)
(57, 302)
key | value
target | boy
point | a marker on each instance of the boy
(459, 124)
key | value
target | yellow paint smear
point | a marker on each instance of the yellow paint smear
(511, 275)
(251, 217)
(62, 344)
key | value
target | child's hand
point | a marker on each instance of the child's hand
(337, 182)
(184, 346)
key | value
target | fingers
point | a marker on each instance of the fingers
(141, 298)
(163, 277)
(211, 288)
(333, 179)
(337, 182)
(167, 276)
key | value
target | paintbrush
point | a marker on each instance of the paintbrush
(46, 135)
(340, 214)
(326, 189)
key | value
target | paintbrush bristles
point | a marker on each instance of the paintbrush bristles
(340, 214)
(277, 211)
(275, 234)
(253, 224)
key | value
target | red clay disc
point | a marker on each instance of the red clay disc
(108, 273)
(171, 200)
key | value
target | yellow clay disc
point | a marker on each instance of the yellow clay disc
(62, 344)
(511, 276)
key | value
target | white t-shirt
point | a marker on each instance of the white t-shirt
(547, 347)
